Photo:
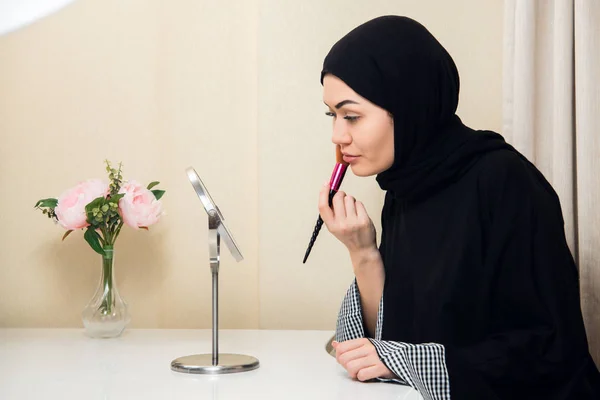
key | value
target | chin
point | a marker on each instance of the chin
(362, 171)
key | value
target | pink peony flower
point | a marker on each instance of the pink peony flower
(70, 209)
(139, 207)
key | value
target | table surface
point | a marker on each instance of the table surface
(66, 364)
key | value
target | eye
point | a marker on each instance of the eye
(351, 118)
(330, 114)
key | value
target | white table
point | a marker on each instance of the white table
(66, 364)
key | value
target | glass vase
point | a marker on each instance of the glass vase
(106, 315)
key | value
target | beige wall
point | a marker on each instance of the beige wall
(228, 87)
(160, 88)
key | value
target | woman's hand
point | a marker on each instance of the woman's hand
(348, 221)
(361, 360)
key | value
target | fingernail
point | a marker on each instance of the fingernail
(326, 183)
(334, 343)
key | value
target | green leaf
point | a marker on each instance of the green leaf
(152, 184)
(92, 206)
(67, 233)
(96, 203)
(93, 239)
(50, 203)
(158, 193)
(115, 198)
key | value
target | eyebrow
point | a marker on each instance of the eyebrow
(343, 103)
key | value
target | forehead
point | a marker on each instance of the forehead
(334, 89)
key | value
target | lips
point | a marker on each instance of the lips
(349, 158)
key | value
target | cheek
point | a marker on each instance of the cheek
(385, 143)
(389, 150)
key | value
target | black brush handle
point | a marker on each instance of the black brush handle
(318, 226)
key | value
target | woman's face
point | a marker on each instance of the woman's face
(364, 131)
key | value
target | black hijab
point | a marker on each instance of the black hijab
(473, 242)
(397, 64)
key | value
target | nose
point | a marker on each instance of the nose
(340, 134)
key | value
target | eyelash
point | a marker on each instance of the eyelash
(350, 118)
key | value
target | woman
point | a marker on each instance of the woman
(473, 292)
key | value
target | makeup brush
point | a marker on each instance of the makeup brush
(334, 184)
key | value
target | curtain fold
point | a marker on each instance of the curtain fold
(551, 113)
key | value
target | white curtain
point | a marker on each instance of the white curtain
(551, 111)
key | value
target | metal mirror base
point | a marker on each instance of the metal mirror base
(203, 364)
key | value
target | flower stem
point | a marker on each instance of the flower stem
(107, 239)
(107, 280)
(117, 231)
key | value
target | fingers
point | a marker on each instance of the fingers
(371, 372)
(350, 345)
(355, 366)
(360, 359)
(361, 212)
(349, 204)
(350, 355)
(346, 219)
(339, 209)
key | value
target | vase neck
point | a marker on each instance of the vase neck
(108, 260)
